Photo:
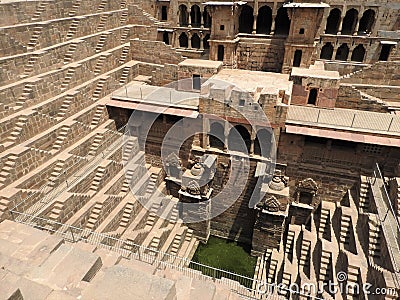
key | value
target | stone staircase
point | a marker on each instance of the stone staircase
(325, 271)
(124, 18)
(102, 24)
(26, 94)
(31, 63)
(69, 55)
(126, 216)
(374, 246)
(41, 7)
(124, 54)
(62, 136)
(100, 63)
(125, 75)
(37, 31)
(125, 34)
(94, 215)
(97, 180)
(102, 6)
(68, 77)
(99, 88)
(324, 222)
(97, 115)
(19, 126)
(345, 230)
(8, 168)
(74, 8)
(102, 40)
(305, 254)
(69, 99)
(353, 274)
(73, 28)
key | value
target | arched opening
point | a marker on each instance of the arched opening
(327, 51)
(342, 52)
(221, 52)
(205, 41)
(195, 41)
(282, 22)
(297, 58)
(166, 37)
(366, 22)
(216, 136)
(358, 53)
(183, 15)
(183, 40)
(195, 16)
(206, 18)
(246, 19)
(264, 20)
(350, 21)
(312, 97)
(263, 143)
(239, 139)
(333, 21)
(164, 13)
(385, 52)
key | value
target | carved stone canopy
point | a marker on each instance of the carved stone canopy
(193, 188)
(270, 204)
(308, 185)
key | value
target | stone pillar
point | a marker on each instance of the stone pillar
(254, 24)
(190, 17)
(201, 17)
(274, 12)
(342, 15)
(189, 33)
(201, 35)
(357, 25)
(226, 133)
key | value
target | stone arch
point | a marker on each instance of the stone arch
(333, 21)
(342, 52)
(367, 22)
(238, 138)
(205, 41)
(264, 20)
(206, 18)
(246, 19)
(358, 53)
(183, 40)
(263, 142)
(217, 135)
(350, 21)
(282, 22)
(327, 51)
(195, 16)
(195, 41)
(183, 15)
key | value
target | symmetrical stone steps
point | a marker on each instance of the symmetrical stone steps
(100, 63)
(98, 178)
(326, 267)
(124, 54)
(99, 88)
(68, 77)
(73, 28)
(127, 215)
(324, 222)
(102, 23)
(31, 63)
(62, 136)
(345, 230)
(125, 75)
(305, 253)
(41, 7)
(68, 57)
(69, 99)
(75, 8)
(374, 245)
(102, 5)
(34, 37)
(102, 41)
(98, 115)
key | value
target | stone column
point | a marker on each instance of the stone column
(201, 17)
(274, 13)
(350, 54)
(190, 17)
(342, 15)
(201, 35)
(253, 137)
(226, 133)
(357, 25)
(206, 130)
(189, 33)
(254, 24)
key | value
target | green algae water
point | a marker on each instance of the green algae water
(225, 255)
